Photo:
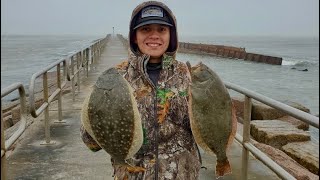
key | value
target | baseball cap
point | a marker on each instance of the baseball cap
(152, 15)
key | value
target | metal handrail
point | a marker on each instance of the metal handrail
(77, 57)
(6, 144)
(36, 112)
(80, 59)
(23, 112)
(245, 140)
(305, 117)
(48, 99)
(67, 75)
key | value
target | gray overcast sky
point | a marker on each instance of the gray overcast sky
(195, 17)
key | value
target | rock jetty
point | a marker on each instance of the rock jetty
(276, 133)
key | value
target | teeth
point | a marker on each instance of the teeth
(153, 45)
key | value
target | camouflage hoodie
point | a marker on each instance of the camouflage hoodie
(169, 147)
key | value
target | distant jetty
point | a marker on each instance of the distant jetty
(228, 52)
(222, 51)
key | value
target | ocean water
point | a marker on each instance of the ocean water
(22, 56)
(297, 79)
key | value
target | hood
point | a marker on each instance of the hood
(173, 45)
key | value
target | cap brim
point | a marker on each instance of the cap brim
(152, 22)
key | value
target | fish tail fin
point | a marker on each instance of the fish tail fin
(126, 165)
(135, 169)
(223, 168)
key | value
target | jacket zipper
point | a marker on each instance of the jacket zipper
(156, 136)
(155, 110)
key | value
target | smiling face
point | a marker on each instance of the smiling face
(153, 39)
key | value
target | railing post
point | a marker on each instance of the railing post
(87, 62)
(93, 53)
(83, 62)
(99, 49)
(65, 70)
(60, 93)
(246, 136)
(3, 154)
(72, 76)
(46, 111)
(96, 51)
(79, 64)
(59, 96)
(23, 103)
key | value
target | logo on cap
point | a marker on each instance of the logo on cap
(152, 11)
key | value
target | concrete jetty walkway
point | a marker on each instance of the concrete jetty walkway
(68, 158)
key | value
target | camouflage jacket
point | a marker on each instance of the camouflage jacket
(164, 112)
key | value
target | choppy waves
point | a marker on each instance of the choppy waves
(302, 62)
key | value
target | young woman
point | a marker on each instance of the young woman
(160, 84)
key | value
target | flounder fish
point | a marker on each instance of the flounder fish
(212, 115)
(110, 115)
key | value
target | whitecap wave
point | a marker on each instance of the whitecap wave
(298, 62)
(288, 63)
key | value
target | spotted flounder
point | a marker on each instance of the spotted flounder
(212, 116)
(110, 115)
